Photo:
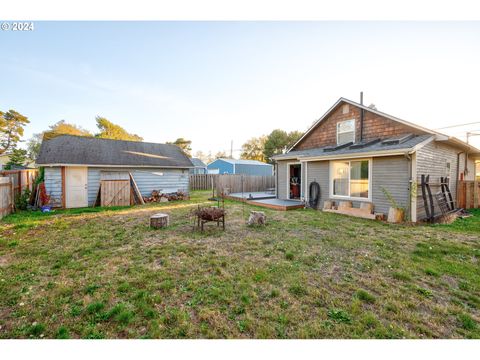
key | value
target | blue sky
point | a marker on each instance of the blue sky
(213, 82)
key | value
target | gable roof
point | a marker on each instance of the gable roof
(198, 163)
(78, 150)
(241, 162)
(343, 100)
(371, 148)
(438, 136)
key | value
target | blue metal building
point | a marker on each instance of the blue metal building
(245, 167)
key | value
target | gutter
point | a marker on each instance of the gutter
(118, 166)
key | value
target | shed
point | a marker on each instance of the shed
(75, 166)
(199, 166)
(245, 167)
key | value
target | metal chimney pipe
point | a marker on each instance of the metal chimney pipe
(361, 117)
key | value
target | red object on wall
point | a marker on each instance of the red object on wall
(295, 189)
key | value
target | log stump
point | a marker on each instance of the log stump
(395, 215)
(158, 221)
(257, 218)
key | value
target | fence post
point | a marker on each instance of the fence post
(475, 194)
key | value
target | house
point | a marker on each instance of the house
(245, 167)
(4, 158)
(355, 152)
(199, 166)
(74, 166)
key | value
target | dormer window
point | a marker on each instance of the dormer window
(345, 132)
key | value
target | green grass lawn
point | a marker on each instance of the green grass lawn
(97, 273)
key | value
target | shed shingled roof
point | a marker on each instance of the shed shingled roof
(198, 163)
(78, 150)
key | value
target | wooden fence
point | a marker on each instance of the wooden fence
(6, 196)
(468, 194)
(231, 183)
(21, 179)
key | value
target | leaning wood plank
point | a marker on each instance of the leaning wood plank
(138, 195)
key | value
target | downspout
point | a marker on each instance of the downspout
(362, 114)
(276, 179)
(410, 183)
(458, 165)
(465, 171)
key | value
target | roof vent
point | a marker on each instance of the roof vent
(361, 145)
(397, 140)
(334, 148)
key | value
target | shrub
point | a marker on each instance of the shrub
(21, 201)
(339, 315)
(365, 296)
(467, 322)
(62, 333)
(297, 290)
(95, 307)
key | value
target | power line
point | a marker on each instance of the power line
(452, 126)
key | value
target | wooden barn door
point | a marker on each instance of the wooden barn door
(76, 191)
(115, 193)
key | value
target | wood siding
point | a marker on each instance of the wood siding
(115, 193)
(374, 126)
(6, 196)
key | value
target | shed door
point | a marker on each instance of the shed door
(76, 192)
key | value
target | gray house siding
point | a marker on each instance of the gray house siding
(53, 184)
(432, 160)
(147, 179)
(318, 171)
(388, 172)
(391, 173)
(282, 191)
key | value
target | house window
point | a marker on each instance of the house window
(345, 132)
(351, 178)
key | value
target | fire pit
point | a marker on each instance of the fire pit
(209, 214)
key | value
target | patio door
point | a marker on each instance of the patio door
(76, 191)
(294, 178)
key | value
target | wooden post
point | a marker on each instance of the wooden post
(159, 220)
(468, 195)
(475, 194)
(63, 171)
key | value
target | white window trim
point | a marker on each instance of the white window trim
(353, 198)
(288, 179)
(354, 128)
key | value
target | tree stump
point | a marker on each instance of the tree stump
(159, 220)
(257, 218)
(395, 215)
